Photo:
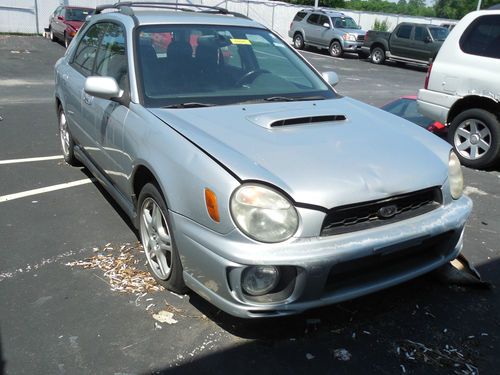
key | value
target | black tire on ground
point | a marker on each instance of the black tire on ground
(486, 133)
(67, 142)
(298, 41)
(363, 55)
(335, 49)
(377, 56)
(175, 281)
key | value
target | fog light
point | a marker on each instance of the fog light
(259, 280)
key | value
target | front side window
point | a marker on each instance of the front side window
(482, 37)
(323, 20)
(404, 32)
(111, 60)
(420, 34)
(313, 19)
(85, 54)
(439, 33)
(221, 65)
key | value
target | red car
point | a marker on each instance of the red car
(406, 107)
(65, 22)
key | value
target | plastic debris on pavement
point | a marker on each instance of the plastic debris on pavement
(342, 354)
(120, 268)
(165, 317)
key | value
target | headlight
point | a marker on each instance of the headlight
(263, 214)
(455, 177)
(349, 37)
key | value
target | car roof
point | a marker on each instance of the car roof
(76, 7)
(326, 12)
(149, 17)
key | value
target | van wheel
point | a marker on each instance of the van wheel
(335, 49)
(377, 56)
(475, 136)
(158, 241)
(298, 41)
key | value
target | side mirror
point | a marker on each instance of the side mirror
(103, 87)
(428, 39)
(60, 18)
(331, 77)
(326, 25)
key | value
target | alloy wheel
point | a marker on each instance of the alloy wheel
(472, 139)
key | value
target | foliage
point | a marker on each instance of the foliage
(381, 25)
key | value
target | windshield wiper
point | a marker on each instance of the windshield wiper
(293, 98)
(189, 105)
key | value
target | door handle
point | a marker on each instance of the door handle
(87, 98)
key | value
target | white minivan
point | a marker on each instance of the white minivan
(462, 89)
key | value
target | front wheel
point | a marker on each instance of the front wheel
(335, 49)
(51, 35)
(66, 41)
(377, 56)
(475, 136)
(157, 239)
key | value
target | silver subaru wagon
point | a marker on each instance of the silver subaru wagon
(250, 179)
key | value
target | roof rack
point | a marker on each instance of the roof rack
(125, 7)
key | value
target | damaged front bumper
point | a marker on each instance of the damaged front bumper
(318, 270)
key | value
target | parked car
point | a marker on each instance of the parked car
(448, 26)
(65, 22)
(245, 173)
(406, 107)
(462, 89)
(408, 43)
(326, 29)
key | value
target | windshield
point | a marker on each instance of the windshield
(214, 65)
(344, 23)
(439, 33)
(76, 14)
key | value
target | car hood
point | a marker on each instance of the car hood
(371, 154)
(354, 31)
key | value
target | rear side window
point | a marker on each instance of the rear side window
(85, 54)
(404, 32)
(299, 16)
(482, 37)
(313, 18)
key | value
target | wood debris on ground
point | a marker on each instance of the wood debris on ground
(448, 357)
(121, 268)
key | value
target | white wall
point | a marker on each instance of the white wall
(19, 15)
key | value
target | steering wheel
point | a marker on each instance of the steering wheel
(250, 76)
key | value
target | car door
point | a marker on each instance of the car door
(109, 115)
(80, 107)
(422, 44)
(59, 23)
(312, 28)
(400, 41)
(53, 18)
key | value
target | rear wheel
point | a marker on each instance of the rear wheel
(51, 35)
(335, 49)
(157, 239)
(67, 143)
(377, 56)
(298, 41)
(475, 136)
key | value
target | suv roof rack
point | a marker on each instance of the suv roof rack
(321, 10)
(125, 7)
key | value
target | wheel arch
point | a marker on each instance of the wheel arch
(142, 175)
(473, 101)
(377, 44)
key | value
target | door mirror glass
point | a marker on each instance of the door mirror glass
(103, 87)
(428, 39)
(331, 77)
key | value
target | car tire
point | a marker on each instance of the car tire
(52, 36)
(66, 41)
(335, 49)
(475, 137)
(67, 142)
(377, 56)
(298, 41)
(163, 259)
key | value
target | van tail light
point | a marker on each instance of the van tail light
(427, 76)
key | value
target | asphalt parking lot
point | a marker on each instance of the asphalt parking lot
(58, 317)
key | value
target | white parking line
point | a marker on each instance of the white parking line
(28, 160)
(46, 189)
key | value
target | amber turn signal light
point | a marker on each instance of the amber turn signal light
(211, 202)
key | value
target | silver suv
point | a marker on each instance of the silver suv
(326, 29)
(249, 179)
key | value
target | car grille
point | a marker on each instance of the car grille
(360, 38)
(372, 214)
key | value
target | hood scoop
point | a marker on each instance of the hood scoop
(284, 118)
(306, 120)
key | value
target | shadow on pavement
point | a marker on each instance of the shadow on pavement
(2, 362)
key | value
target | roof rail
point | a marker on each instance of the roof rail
(125, 7)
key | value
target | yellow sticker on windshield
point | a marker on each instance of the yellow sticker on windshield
(240, 41)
